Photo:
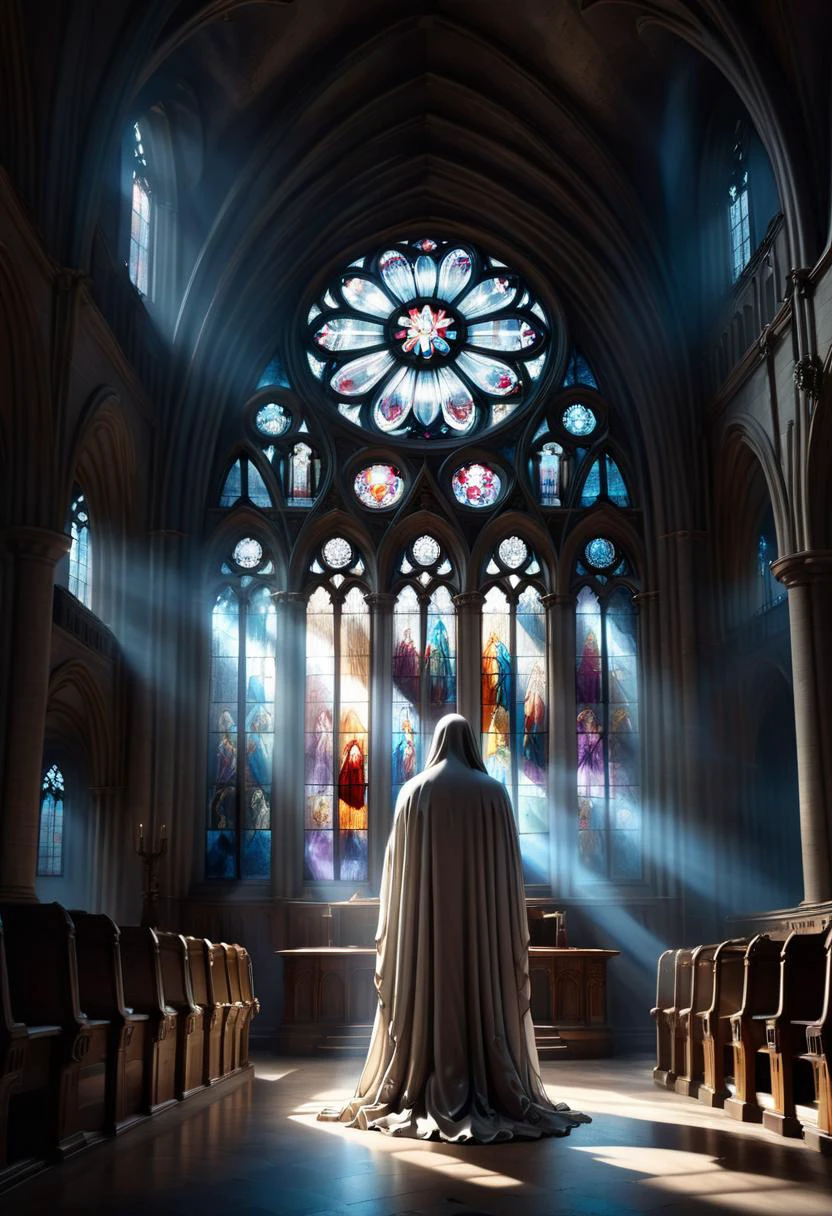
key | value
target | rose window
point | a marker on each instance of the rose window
(428, 339)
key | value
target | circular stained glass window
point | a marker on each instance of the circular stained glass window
(426, 339)
(600, 553)
(579, 419)
(248, 553)
(513, 552)
(378, 486)
(272, 419)
(337, 553)
(426, 550)
(476, 485)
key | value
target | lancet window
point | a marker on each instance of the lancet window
(241, 716)
(80, 550)
(140, 218)
(607, 721)
(739, 220)
(424, 653)
(515, 698)
(51, 832)
(337, 717)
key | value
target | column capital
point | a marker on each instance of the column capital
(379, 599)
(40, 543)
(798, 569)
(469, 599)
(558, 599)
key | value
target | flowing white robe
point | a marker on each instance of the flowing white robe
(452, 1053)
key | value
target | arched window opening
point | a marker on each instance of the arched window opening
(604, 480)
(80, 550)
(607, 724)
(515, 700)
(424, 654)
(141, 218)
(337, 718)
(770, 592)
(51, 832)
(739, 220)
(243, 669)
(578, 372)
(245, 481)
(303, 475)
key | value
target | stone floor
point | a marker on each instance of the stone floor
(254, 1147)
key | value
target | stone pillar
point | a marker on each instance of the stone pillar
(469, 657)
(288, 792)
(563, 798)
(808, 577)
(381, 698)
(28, 646)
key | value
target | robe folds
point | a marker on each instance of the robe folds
(452, 1054)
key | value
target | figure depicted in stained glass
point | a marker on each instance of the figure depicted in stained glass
(496, 676)
(550, 458)
(589, 671)
(319, 763)
(405, 754)
(353, 856)
(621, 747)
(300, 481)
(258, 812)
(259, 739)
(221, 814)
(590, 752)
(406, 667)
(226, 749)
(352, 786)
(439, 665)
(534, 725)
(497, 753)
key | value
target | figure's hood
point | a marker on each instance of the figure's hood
(453, 739)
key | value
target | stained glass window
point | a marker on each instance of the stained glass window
(304, 476)
(80, 551)
(337, 715)
(578, 371)
(424, 657)
(476, 485)
(515, 709)
(606, 687)
(427, 339)
(738, 216)
(140, 218)
(51, 832)
(579, 419)
(604, 480)
(274, 373)
(272, 419)
(378, 486)
(244, 480)
(600, 553)
(550, 468)
(241, 722)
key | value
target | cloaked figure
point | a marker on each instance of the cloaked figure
(440, 668)
(226, 750)
(588, 684)
(534, 724)
(452, 1053)
(406, 667)
(496, 677)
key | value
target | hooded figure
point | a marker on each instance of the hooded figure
(452, 1054)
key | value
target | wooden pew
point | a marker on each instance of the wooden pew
(144, 993)
(726, 998)
(218, 977)
(249, 999)
(232, 967)
(97, 945)
(819, 1055)
(677, 1021)
(800, 1003)
(13, 1044)
(690, 1056)
(760, 996)
(176, 981)
(664, 1001)
(60, 1104)
(199, 966)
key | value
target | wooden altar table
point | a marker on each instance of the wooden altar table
(330, 1000)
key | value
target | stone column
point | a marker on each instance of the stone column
(469, 657)
(563, 798)
(288, 793)
(808, 577)
(381, 698)
(28, 647)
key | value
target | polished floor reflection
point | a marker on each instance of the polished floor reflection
(255, 1148)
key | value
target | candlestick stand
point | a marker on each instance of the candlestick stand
(150, 856)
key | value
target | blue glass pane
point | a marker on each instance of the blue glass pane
(257, 491)
(233, 486)
(592, 485)
(616, 488)
(317, 855)
(257, 852)
(534, 851)
(221, 855)
(274, 373)
(578, 371)
(354, 856)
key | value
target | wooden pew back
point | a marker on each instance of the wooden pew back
(761, 980)
(198, 969)
(141, 970)
(803, 977)
(99, 965)
(41, 964)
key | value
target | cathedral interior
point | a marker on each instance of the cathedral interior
(361, 362)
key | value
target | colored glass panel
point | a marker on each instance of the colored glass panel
(304, 476)
(221, 850)
(476, 485)
(407, 686)
(578, 371)
(337, 553)
(353, 718)
(549, 473)
(378, 486)
(257, 490)
(272, 419)
(513, 552)
(592, 485)
(616, 486)
(248, 553)
(232, 486)
(600, 553)
(579, 419)
(51, 829)
(497, 685)
(530, 736)
(261, 633)
(426, 550)
(319, 814)
(80, 552)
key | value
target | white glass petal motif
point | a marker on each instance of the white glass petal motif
(248, 553)
(491, 375)
(316, 366)
(337, 553)
(426, 400)
(454, 273)
(352, 412)
(509, 333)
(425, 276)
(348, 333)
(490, 295)
(314, 312)
(359, 375)
(426, 550)
(535, 366)
(366, 297)
(394, 402)
(397, 274)
(458, 408)
(513, 552)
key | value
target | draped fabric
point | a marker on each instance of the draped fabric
(452, 1054)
